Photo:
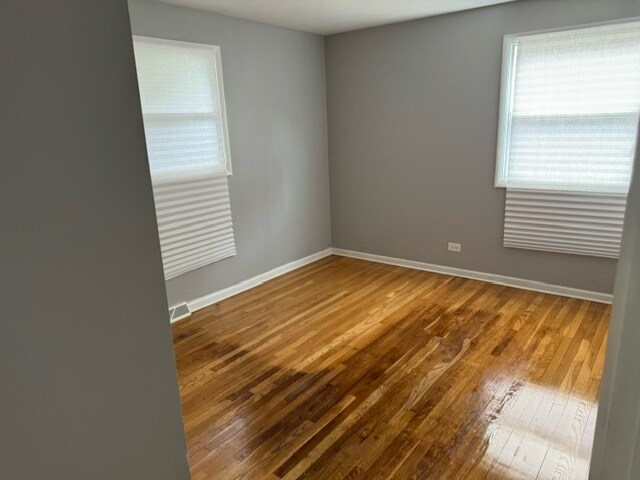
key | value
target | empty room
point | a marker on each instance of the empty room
(320, 239)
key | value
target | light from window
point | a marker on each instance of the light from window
(569, 109)
(183, 109)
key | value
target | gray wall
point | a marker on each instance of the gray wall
(616, 450)
(413, 115)
(276, 109)
(87, 372)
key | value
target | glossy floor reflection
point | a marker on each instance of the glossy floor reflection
(346, 369)
(543, 435)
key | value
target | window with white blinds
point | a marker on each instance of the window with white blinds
(569, 113)
(182, 98)
(564, 222)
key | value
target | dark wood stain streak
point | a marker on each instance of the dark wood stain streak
(346, 369)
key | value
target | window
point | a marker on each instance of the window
(183, 108)
(570, 105)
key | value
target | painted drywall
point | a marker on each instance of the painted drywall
(276, 111)
(331, 16)
(616, 450)
(413, 116)
(88, 376)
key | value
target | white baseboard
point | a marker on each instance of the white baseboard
(214, 297)
(515, 282)
(485, 277)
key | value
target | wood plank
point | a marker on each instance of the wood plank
(347, 369)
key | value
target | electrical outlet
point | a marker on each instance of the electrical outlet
(454, 247)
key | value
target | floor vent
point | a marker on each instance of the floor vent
(178, 312)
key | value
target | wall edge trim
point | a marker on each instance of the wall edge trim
(214, 297)
(514, 282)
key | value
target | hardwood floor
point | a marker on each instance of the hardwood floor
(346, 369)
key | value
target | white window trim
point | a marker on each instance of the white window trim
(507, 79)
(217, 74)
(185, 248)
(509, 58)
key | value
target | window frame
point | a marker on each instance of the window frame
(218, 88)
(507, 91)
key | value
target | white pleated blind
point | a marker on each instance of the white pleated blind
(569, 115)
(571, 103)
(194, 223)
(565, 222)
(187, 143)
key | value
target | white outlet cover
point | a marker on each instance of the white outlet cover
(454, 247)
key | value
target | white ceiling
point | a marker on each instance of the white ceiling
(332, 16)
